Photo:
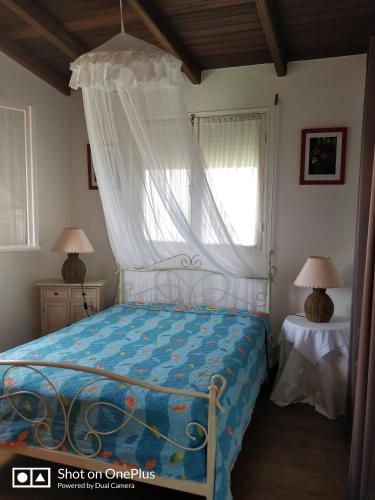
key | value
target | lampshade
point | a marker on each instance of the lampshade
(73, 240)
(319, 272)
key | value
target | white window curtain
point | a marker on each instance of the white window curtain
(147, 161)
(13, 182)
(232, 152)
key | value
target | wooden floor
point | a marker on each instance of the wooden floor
(290, 453)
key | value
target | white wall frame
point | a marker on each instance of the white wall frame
(31, 180)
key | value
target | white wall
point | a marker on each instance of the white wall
(86, 205)
(310, 220)
(19, 271)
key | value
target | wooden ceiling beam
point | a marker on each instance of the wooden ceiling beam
(19, 55)
(164, 36)
(42, 22)
(267, 19)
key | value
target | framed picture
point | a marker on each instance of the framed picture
(323, 155)
(93, 184)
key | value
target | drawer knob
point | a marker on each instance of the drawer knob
(55, 293)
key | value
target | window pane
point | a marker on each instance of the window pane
(159, 225)
(13, 182)
(231, 148)
(236, 192)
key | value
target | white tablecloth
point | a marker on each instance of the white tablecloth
(313, 364)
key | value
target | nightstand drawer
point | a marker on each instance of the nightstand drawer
(90, 293)
(56, 293)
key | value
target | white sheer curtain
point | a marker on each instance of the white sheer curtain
(13, 194)
(147, 161)
(231, 148)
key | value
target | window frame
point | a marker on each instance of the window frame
(31, 181)
(266, 190)
(261, 252)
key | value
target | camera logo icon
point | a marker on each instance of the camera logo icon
(31, 477)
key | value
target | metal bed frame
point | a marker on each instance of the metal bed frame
(89, 461)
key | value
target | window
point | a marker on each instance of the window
(233, 144)
(17, 211)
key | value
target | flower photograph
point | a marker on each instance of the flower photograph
(323, 156)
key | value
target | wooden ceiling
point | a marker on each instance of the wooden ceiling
(46, 35)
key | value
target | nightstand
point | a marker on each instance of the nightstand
(313, 364)
(62, 303)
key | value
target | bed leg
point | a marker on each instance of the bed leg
(211, 445)
(5, 457)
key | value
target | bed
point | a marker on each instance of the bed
(157, 388)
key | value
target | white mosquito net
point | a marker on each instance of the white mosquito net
(147, 161)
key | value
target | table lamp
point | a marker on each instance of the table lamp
(319, 273)
(73, 241)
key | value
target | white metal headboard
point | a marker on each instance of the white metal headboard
(181, 279)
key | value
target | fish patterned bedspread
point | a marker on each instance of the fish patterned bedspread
(168, 345)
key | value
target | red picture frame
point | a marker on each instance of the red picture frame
(323, 155)
(93, 184)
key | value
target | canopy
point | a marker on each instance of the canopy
(151, 175)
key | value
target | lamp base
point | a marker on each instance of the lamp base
(319, 307)
(73, 269)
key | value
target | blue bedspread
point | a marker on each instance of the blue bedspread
(168, 345)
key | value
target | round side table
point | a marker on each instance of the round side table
(313, 364)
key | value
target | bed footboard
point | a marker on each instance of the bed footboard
(80, 458)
